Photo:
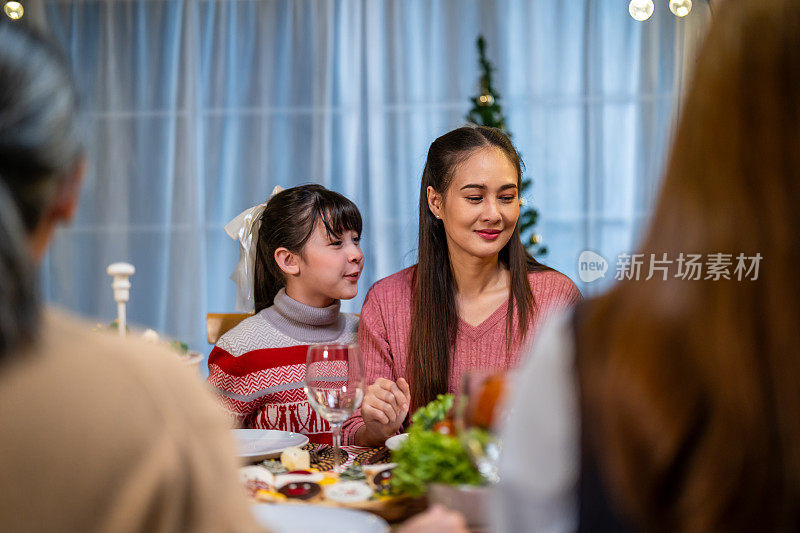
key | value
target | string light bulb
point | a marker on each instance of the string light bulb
(14, 10)
(680, 8)
(485, 100)
(641, 10)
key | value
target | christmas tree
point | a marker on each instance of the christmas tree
(486, 111)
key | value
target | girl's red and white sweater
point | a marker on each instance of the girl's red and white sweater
(257, 369)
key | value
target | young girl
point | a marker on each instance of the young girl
(307, 259)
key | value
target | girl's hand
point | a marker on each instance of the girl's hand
(435, 520)
(384, 408)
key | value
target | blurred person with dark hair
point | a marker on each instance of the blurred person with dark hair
(96, 433)
(673, 404)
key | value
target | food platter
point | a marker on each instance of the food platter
(370, 491)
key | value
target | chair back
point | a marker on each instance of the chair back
(218, 323)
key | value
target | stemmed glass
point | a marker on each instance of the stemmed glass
(334, 386)
(479, 414)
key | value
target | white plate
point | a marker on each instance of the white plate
(258, 444)
(395, 442)
(293, 518)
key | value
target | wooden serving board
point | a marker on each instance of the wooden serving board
(393, 509)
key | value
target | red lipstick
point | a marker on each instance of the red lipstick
(488, 234)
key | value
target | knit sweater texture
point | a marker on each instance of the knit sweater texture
(257, 369)
(386, 324)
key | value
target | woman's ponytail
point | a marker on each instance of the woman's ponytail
(19, 305)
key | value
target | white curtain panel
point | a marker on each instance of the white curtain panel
(197, 109)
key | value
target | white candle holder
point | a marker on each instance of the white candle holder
(121, 272)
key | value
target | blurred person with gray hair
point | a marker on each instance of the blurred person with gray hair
(97, 433)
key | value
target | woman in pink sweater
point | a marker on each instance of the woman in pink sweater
(473, 298)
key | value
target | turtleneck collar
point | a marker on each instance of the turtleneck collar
(303, 322)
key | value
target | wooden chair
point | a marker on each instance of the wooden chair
(219, 323)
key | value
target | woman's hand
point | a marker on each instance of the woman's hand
(384, 408)
(435, 520)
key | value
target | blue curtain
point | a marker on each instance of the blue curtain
(197, 109)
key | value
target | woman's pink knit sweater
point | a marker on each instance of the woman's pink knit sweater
(386, 321)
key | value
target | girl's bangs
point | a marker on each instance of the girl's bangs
(338, 215)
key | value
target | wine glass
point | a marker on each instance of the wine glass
(479, 413)
(334, 386)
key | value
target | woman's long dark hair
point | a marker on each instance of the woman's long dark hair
(434, 318)
(40, 142)
(691, 388)
(19, 305)
(287, 222)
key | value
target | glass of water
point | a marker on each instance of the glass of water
(334, 386)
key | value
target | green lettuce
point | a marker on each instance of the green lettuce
(430, 457)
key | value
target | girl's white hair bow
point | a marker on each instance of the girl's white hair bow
(245, 228)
